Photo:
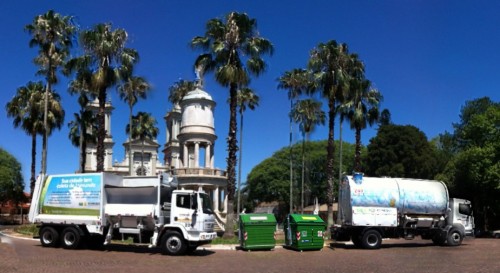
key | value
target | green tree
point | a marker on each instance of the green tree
(307, 113)
(401, 151)
(245, 98)
(108, 60)
(130, 91)
(297, 82)
(473, 172)
(53, 34)
(83, 129)
(143, 127)
(268, 181)
(233, 50)
(27, 112)
(361, 109)
(11, 179)
(330, 64)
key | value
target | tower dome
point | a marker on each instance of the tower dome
(197, 113)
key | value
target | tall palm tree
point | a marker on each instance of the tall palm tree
(245, 98)
(297, 82)
(83, 129)
(27, 113)
(329, 63)
(53, 34)
(130, 91)
(308, 114)
(108, 60)
(233, 50)
(143, 127)
(361, 109)
(179, 89)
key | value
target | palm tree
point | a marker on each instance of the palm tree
(245, 98)
(108, 60)
(297, 82)
(143, 126)
(27, 113)
(130, 91)
(329, 62)
(179, 89)
(361, 109)
(53, 34)
(233, 50)
(83, 129)
(308, 114)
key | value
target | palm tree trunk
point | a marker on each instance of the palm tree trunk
(291, 160)
(33, 163)
(231, 160)
(303, 168)
(329, 160)
(44, 148)
(357, 155)
(101, 131)
(130, 142)
(239, 167)
(80, 145)
(45, 125)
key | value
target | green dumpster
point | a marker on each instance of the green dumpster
(304, 232)
(257, 231)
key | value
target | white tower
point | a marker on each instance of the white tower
(189, 147)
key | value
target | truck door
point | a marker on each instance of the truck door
(186, 210)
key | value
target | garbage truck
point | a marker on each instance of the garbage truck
(93, 209)
(371, 208)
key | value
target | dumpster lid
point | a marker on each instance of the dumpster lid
(305, 218)
(257, 218)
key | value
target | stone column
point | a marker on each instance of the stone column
(185, 160)
(208, 164)
(216, 199)
(196, 154)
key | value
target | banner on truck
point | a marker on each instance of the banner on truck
(72, 195)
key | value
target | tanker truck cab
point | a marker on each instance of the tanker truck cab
(460, 216)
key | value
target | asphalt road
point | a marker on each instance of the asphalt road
(474, 255)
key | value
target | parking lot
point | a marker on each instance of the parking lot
(475, 255)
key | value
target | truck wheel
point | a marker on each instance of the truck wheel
(371, 239)
(454, 238)
(172, 243)
(191, 249)
(49, 237)
(438, 240)
(356, 241)
(71, 238)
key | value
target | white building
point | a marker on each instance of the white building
(188, 149)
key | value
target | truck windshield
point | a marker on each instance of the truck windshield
(206, 203)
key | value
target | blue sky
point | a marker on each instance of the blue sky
(427, 58)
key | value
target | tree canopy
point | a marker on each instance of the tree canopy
(11, 178)
(473, 172)
(401, 151)
(269, 180)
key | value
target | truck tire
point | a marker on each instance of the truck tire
(49, 237)
(71, 238)
(371, 239)
(172, 243)
(454, 238)
(438, 240)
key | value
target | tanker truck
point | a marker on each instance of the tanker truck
(370, 209)
(91, 209)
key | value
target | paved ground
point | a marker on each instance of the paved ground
(475, 255)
